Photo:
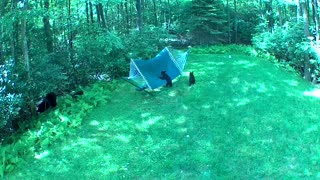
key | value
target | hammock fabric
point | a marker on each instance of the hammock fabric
(146, 73)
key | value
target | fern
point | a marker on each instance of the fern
(54, 125)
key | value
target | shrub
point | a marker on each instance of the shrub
(289, 46)
(145, 43)
(10, 99)
(99, 53)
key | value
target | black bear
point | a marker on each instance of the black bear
(192, 79)
(165, 76)
(76, 94)
(49, 101)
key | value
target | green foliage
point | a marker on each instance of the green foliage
(288, 44)
(247, 19)
(53, 126)
(205, 22)
(99, 52)
(145, 43)
(282, 42)
(46, 76)
(10, 100)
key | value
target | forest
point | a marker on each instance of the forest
(63, 45)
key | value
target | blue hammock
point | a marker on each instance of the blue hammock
(146, 73)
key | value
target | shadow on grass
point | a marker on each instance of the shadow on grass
(244, 119)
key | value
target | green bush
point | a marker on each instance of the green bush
(289, 45)
(98, 53)
(10, 100)
(52, 126)
(146, 43)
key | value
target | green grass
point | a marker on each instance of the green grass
(244, 119)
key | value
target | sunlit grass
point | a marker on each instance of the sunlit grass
(243, 119)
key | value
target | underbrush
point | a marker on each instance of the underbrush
(52, 126)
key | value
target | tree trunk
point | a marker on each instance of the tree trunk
(25, 50)
(235, 22)
(13, 34)
(2, 61)
(47, 29)
(269, 9)
(315, 20)
(91, 12)
(155, 13)
(2, 12)
(229, 22)
(98, 14)
(106, 15)
(127, 15)
(73, 75)
(139, 14)
(87, 12)
(103, 20)
(168, 17)
(307, 73)
(299, 11)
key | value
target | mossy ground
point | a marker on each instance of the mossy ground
(244, 119)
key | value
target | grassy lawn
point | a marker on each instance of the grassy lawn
(244, 119)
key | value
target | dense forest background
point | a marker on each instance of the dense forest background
(60, 45)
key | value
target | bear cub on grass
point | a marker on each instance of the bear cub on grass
(49, 101)
(165, 76)
(192, 79)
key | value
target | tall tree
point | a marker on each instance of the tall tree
(315, 7)
(47, 28)
(207, 22)
(139, 14)
(103, 20)
(25, 49)
(303, 5)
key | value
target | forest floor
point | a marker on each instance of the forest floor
(245, 118)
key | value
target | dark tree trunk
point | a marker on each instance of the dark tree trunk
(47, 29)
(25, 50)
(315, 20)
(307, 73)
(139, 14)
(235, 22)
(127, 15)
(155, 13)
(87, 12)
(98, 14)
(103, 20)
(73, 75)
(91, 12)
(168, 18)
(229, 22)
(106, 15)
(2, 61)
(14, 34)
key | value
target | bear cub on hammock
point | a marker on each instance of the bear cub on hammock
(49, 101)
(165, 76)
(192, 79)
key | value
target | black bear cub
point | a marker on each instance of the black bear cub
(165, 76)
(192, 79)
(76, 94)
(49, 101)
